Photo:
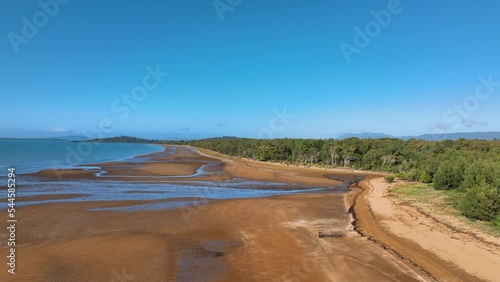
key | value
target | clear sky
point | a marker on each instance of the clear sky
(233, 66)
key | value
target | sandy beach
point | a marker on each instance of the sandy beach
(256, 239)
(419, 236)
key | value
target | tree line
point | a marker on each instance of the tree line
(471, 167)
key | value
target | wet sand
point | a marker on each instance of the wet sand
(185, 163)
(232, 240)
(259, 239)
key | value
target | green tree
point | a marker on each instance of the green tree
(481, 202)
(449, 175)
(481, 172)
(425, 177)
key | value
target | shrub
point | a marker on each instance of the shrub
(401, 175)
(410, 175)
(425, 177)
(481, 172)
(449, 175)
(496, 221)
(389, 178)
(481, 202)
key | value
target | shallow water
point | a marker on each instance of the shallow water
(96, 190)
(166, 193)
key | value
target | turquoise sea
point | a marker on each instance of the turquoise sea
(28, 156)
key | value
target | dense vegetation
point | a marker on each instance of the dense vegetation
(471, 167)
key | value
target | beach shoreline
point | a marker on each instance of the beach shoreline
(437, 248)
(254, 239)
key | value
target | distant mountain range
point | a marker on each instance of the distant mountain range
(363, 135)
(444, 136)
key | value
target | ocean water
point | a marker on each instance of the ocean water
(28, 156)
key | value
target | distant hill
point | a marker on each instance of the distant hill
(456, 136)
(444, 136)
(122, 139)
(365, 135)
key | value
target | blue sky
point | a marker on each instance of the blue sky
(232, 71)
